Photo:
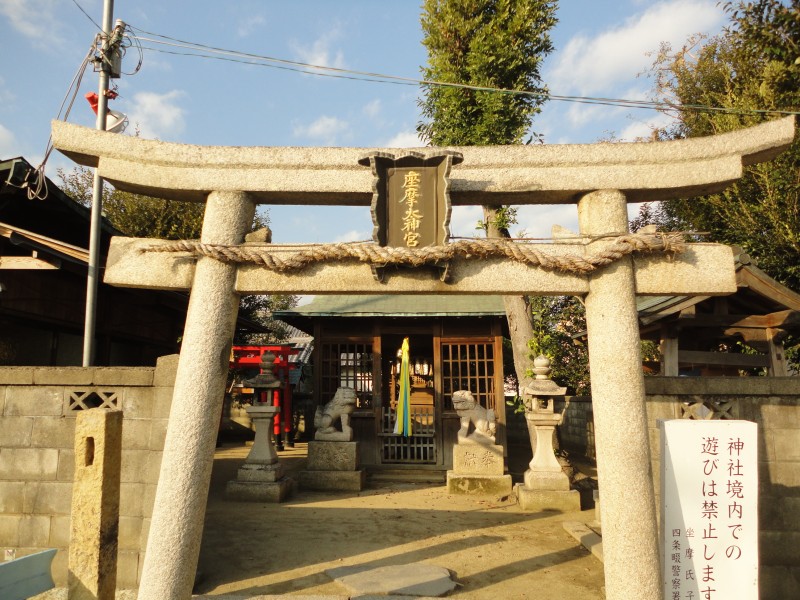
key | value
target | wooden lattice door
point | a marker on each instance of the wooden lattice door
(468, 366)
(421, 447)
(346, 364)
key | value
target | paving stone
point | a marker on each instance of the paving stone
(416, 579)
(588, 538)
(277, 597)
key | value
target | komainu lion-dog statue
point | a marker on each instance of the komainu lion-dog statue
(339, 408)
(470, 412)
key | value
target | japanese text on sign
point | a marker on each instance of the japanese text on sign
(709, 490)
(412, 219)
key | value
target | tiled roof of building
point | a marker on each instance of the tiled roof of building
(398, 305)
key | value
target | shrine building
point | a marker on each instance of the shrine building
(456, 342)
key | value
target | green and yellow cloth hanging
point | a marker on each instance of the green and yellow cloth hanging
(402, 425)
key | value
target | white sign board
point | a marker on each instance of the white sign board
(709, 503)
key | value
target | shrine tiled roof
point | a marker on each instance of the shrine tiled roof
(424, 305)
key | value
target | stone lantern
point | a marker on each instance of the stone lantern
(261, 477)
(546, 486)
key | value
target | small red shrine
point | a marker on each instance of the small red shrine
(248, 359)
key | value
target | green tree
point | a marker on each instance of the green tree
(752, 68)
(559, 322)
(141, 216)
(494, 44)
(560, 329)
(136, 215)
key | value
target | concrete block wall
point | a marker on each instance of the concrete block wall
(576, 432)
(37, 428)
(771, 402)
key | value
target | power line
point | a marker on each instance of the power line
(270, 66)
(205, 51)
(87, 15)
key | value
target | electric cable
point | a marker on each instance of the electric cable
(202, 50)
(35, 183)
(129, 41)
(280, 67)
(87, 15)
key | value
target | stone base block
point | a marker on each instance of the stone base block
(556, 481)
(555, 500)
(258, 491)
(260, 473)
(346, 481)
(334, 436)
(487, 485)
(478, 459)
(332, 456)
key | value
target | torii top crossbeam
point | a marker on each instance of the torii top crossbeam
(489, 175)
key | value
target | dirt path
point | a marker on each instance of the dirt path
(494, 549)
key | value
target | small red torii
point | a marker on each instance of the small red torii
(249, 357)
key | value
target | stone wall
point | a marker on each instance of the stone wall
(576, 433)
(37, 428)
(771, 402)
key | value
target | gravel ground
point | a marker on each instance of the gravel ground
(493, 549)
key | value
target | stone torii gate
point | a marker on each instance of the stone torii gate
(601, 179)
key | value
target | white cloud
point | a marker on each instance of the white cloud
(463, 220)
(591, 65)
(536, 221)
(35, 19)
(6, 95)
(325, 129)
(373, 109)
(9, 147)
(532, 220)
(642, 129)
(320, 51)
(158, 116)
(579, 115)
(353, 235)
(249, 25)
(404, 139)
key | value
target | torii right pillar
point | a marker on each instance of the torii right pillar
(628, 510)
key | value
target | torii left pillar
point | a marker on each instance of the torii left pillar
(176, 529)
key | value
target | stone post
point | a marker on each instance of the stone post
(173, 546)
(630, 534)
(95, 505)
(260, 478)
(263, 451)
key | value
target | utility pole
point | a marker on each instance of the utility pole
(109, 67)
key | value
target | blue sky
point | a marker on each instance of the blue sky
(601, 48)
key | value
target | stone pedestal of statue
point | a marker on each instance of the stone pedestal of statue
(478, 468)
(261, 477)
(333, 466)
(333, 455)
